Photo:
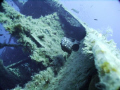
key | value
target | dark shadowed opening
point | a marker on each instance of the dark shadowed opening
(75, 47)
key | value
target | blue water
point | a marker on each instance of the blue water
(107, 13)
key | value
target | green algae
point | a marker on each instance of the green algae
(42, 38)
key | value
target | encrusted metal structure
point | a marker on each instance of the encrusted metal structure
(48, 67)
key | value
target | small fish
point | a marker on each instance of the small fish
(1, 34)
(75, 10)
(91, 6)
(96, 19)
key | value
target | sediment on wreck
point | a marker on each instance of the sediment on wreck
(41, 37)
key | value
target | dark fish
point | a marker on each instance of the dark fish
(96, 19)
(75, 10)
(1, 34)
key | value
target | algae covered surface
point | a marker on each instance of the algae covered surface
(41, 35)
(41, 38)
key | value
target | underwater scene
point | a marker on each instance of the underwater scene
(59, 45)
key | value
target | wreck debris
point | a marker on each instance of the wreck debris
(75, 10)
(68, 44)
(9, 45)
(42, 37)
